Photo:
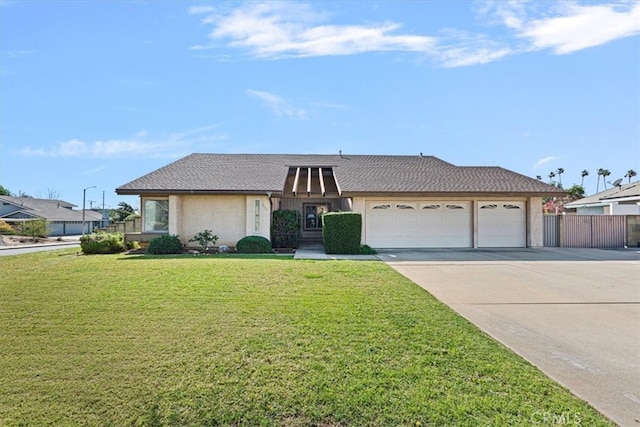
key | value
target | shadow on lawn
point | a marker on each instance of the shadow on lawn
(142, 257)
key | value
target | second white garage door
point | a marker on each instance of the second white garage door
(502, 225)
(402, 224)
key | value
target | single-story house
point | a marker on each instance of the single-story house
(405, 201)
(617, 200)
(63, 220)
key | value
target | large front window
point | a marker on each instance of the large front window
(156, 215)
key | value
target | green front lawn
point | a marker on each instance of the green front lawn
(134, 340)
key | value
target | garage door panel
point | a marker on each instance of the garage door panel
(502, 224)
(419, 224)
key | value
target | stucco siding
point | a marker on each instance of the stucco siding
(535, 232)
(224, 215)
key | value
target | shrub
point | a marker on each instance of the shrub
(103, 243)
(6, 229)
(286, 228)
(341, 232)
(254, 245)
(367, 250)
(35, 228)
(205, 239)
(165, 244)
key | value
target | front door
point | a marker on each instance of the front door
(312, 216)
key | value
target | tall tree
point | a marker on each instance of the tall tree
(538, 177)
(560, 171)
(552, 174)
(575, 192)
(600, 173)
(4, 191)
(605, 174)
(583, 174)
(630, 174)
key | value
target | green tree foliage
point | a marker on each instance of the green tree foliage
(583, 174)
(630, 174)
(35, 228)
(575, 192)
(124, 210)
(4, 191)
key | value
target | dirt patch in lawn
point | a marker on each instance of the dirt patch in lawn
(9, 240)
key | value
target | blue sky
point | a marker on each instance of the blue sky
(97, 93)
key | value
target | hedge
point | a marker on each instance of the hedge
(103, 243)
(286, 228)
(342, 232)
(254, 245)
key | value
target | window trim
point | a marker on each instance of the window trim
(144, 214)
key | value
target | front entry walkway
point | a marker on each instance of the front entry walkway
(315, 250)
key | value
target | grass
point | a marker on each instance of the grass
(128, 340)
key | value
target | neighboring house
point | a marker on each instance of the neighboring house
(405, 201)
(620, 200)
(63, 220)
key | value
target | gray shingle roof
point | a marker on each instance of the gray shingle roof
(355, 174)
(51, 210)
(625, 190)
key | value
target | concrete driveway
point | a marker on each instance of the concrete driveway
(574, 313)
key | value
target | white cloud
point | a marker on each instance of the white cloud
(138, 146)
(276, 30)
(278, 105)
(286, 29)
(544, 161)
(569, 26)
(582, 27)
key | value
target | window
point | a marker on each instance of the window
(404, 207)
(381, 207)
(431, 207)
(256, 213)
(156, 215)
(492, 206)
(508, 206)
(313, 216)
(455, 207)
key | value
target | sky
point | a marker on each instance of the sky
(94, 94)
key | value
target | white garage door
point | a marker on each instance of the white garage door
(502, 225)
(419, 224)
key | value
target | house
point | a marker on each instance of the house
(63, 220)
(617, 200)
(405, 201)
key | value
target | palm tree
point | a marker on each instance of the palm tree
(630, 174)
(538, 177)
(583, 174)
(560, 172)
(600, 172)
(605, 174)
(552, 174)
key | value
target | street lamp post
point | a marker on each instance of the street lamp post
(84, 197)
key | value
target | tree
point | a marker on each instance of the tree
(630, 174)
(123, 211)
(600, 173)
(6, 192)
(560, 171)
(605, 174)
(552, 174)
(538, 177)
(35, 228)
(583, 174)
(575, 192)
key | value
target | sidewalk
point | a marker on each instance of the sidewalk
(315, 251)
